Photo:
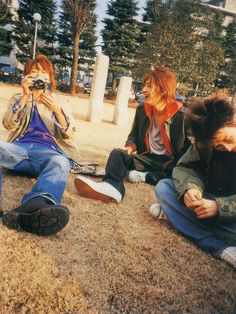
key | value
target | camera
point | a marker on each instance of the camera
(39, 82)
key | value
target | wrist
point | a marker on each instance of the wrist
(23, 100)
(25, 96)
(58, 112)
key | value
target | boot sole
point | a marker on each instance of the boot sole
(45, 221)
(85, 190)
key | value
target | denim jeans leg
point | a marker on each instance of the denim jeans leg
(225, 231)
(12, 154)
(185, 221)
(53, 169)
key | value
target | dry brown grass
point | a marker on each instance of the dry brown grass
(109, 259)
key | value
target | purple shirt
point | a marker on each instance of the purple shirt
(37, 132)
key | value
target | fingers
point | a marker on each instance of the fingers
(191, 198)
(200, 210)
(207, 209)
(192, 204)
(193, 194)
(46, 99)
(26, 80)
(46, 96)
(203, 215)
(128, 150)
(26, 83)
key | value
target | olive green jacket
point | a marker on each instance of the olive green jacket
(18, 122)
(191, 172)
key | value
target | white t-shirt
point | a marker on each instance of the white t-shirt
(156, 144)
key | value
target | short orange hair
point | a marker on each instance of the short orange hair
(28, 66)
(165, 80)
(46, 65)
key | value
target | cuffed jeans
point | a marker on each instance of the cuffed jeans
(209, 234)
(50, 166)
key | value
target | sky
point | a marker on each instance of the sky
(101, 13)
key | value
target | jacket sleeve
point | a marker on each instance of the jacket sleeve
(131, 140)
(12, 118)
(227, 207)
(70, 130)
(188, 172)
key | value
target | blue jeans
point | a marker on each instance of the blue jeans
(50, 166)
(209, 234)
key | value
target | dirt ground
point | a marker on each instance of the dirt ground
(109, 258)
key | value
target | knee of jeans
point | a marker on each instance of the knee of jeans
(60, 161)
(115, 151)
(162, 187)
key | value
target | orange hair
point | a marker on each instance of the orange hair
(165, 81)
(28, 67)
(46, 65)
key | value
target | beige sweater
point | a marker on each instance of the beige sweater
(17, 123)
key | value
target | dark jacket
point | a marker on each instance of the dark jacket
(209, 171)
(176, 129)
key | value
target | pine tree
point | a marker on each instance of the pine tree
(120, 35)
(151, 10)
(24, 28)
(87, 47)
(5, 30)
(65, 41)
(227, 77)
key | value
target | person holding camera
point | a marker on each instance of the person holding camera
(200, 202)
(40, 144)
(158, 138)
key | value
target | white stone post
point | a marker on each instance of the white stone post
(122, 100)
(98, 88)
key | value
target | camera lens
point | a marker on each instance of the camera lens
(39, 84)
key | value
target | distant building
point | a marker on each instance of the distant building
(228, 7)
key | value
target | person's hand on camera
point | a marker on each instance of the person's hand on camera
(26, 83)
(48, 101)
(191, 197)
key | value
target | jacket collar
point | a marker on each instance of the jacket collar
(164, 116)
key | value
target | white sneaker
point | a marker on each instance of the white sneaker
(229, 255)
(101, 191)
(156, 211)
(135, 176)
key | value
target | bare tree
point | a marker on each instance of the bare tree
(81, 13)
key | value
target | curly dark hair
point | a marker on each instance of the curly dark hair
(207, 116)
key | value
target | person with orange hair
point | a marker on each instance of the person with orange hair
(157, 140)
(40, 144)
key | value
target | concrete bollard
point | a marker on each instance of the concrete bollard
(121, 105)
(98, 88)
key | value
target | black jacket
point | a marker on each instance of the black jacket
(176, 129)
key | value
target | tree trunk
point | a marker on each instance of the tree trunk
(74, 69)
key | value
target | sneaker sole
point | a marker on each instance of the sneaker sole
(85, 190)
(45, 221)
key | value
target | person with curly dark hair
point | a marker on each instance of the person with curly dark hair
(200, 201)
